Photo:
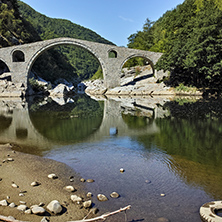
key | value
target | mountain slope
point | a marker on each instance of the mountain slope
(80, 59)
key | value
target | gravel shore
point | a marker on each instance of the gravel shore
(18, 171)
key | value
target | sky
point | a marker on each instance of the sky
(114, 20)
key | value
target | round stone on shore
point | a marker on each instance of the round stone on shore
(82, 180)
(55, 207)
(122, 170)
(87, 204)
(70, 188)
(38, 210)
(162, 194)
(76, 198)
(102, 197)
(28, 211)
(35, 184)
(10, 159)
(147, 181)
(89, 194)
(15, 185)
(4, 203)
(21, 194)
(12, 205)
(52, 176)
(114, 195)
(22, 207)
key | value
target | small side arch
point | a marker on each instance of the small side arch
(18, 56)
(3, 67)
(149, 61)
(112, 53)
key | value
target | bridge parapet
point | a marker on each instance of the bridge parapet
(21, 58)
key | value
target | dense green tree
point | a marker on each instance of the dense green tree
(190, 37)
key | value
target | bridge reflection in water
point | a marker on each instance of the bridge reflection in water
(39, 129)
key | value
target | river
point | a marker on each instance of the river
(170, 150)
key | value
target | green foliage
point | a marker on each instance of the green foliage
(82, 62)
(183, 88)
(190, 36)
(98, 74)
(35, 85)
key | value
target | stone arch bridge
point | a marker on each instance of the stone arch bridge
(20, 58)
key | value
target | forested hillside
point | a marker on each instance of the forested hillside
(81, 60)
(190, 36)
(14, 30)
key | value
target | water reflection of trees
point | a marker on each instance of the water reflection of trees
(71, 122)
(192, 136)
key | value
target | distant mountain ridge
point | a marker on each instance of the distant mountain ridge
(49, 28)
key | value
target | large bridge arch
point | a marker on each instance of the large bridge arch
(62, 42)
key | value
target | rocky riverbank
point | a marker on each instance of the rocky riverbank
(37, 189)
(134, 83)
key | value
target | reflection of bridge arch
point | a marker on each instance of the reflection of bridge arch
(21, 130)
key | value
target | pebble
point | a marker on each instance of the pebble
(12, 205)
(35, 183)
(28, 211)
(94, 210)
(21, 194)
(162, 195)
(38, 210)
(11, 218)
(114, 195)
(8, 197)
(102, 197)
(15, 185)
(44, 219)
(89, 194)
(22, 207)
(87, 204)
(70, 188)
(52, 176)
(122, 170)
(55, 207)
(22, 202)
(82, 180)
(4, 203)
(76, 198)
(10, 159)
(90, 181)
(41, 204)
(147, 181)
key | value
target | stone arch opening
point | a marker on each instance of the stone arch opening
(64, 43)
(18, 56)
(3, 67)
(112, 54)
(136, 64)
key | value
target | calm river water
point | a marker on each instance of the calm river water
(170, 147)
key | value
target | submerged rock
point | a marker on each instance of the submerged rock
(102, 197)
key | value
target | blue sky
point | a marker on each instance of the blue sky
(114, 20)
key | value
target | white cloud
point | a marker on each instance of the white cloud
(125, 19)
